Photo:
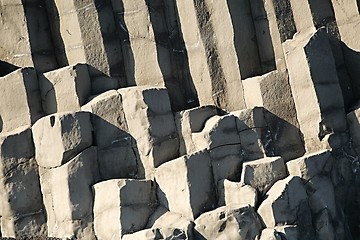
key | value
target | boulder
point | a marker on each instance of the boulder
(21, 206)
(60, 137)
(236, 193)
(122, 206)
(263, 173)
(68, 197)
(228, 222)
(194, 191)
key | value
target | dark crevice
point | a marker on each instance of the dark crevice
(285, 19)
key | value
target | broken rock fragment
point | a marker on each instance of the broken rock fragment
(122, 206)
(61, 136)
(228, 223)
(263, 173)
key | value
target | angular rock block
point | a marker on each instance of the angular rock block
(108, 118)
(192, 121)
(290, 232)
(218, 131)
(68, 197)
(255, 137)
(122, 206)
(117, 152)
(20, 103)
(286, 203)
(194, 191)
(236, 193)
(315, 88)
(311, 165)
(21, 207)
(65, 89)
(226, 162)
(262, 174)
(228, 223)
(151, 123)
(324, 226)
(273, 92)
(61, 136)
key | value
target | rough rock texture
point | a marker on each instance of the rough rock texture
(180, 119)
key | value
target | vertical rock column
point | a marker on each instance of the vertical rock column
(21, 207)
(316, 90)
(20, 103)
(25, 40)
(87, 33)
(139, 44)
(211, 46)
(151, 123)
(68, 168)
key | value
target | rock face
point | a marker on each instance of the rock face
(174, 119)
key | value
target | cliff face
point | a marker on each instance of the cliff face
(174, 119)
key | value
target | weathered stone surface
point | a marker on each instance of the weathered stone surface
(228, 223)
(25, 37)
(151, 123)
(122, 206)
(194, 191)
(354, 128)
(236, 193)
(21, 207)
(311, 165)
(311, 83)
(169, 224)
(67, 195)
(20, 103)
(61, 136)
(288, 232)
(65, 89)
(85, 33)
(262, 174)
(192, 121)
(286, 203)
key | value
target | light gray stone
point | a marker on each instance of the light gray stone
(67, 196)
(21, 207)
(263, 173)
(20, 103)
(151, 123)
(235, 193)
(194, 191)
(61, 136)
(65, 89)
(311, 165)
(228, 222)
(122, 206)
